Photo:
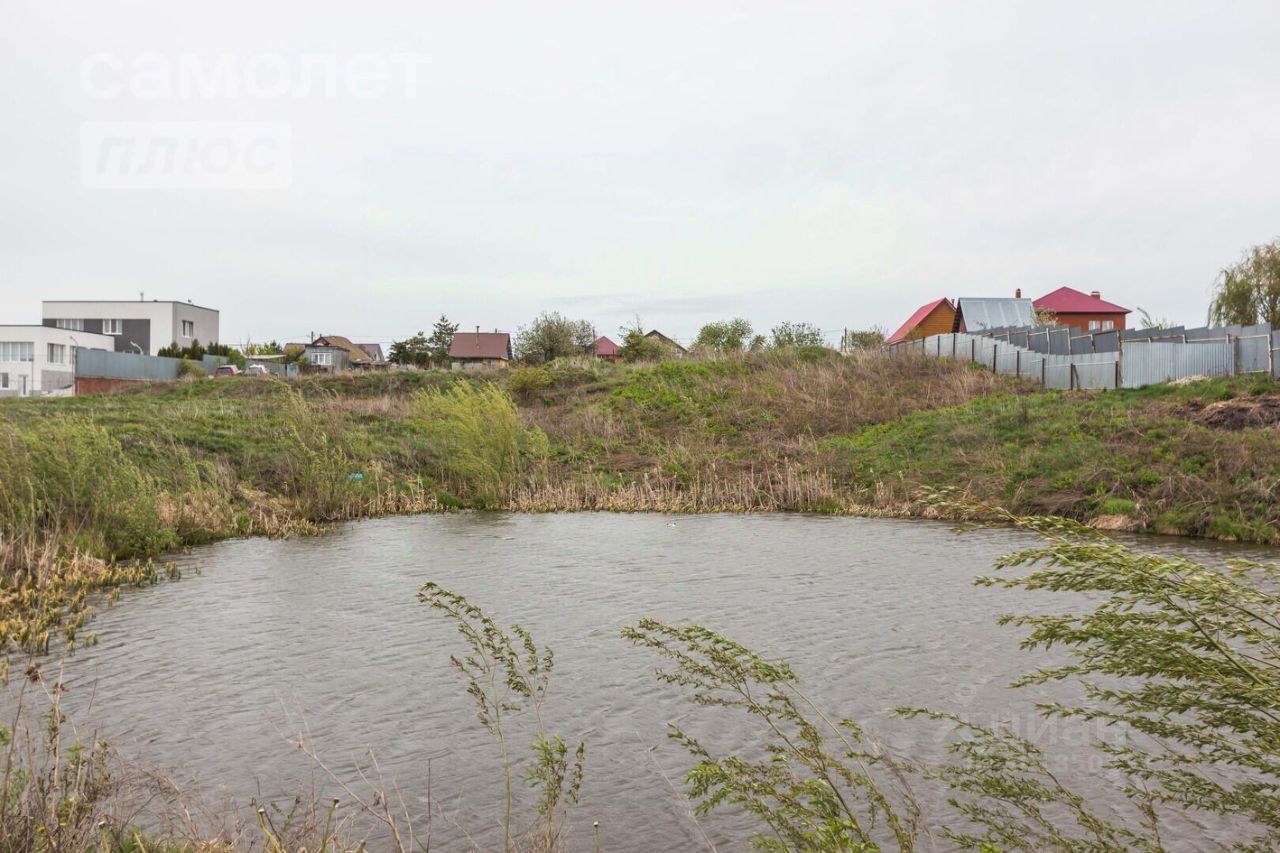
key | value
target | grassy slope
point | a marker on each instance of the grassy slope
(1141, 458)
(770, 433)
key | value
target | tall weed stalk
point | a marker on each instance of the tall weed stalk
(506, 674)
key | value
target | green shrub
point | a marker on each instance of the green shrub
(191, 368)
(80, 480)
(1118, 506)
(319, 468)
(528, 381)
(476, 437)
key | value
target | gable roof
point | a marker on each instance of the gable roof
(374, 351)
(604, 346)
(480, 345)
(357, 354)
(656, 335)
(1068, 300)
(917, 318)
(978, 313)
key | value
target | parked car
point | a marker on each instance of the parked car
(257, 370)
(226, 370)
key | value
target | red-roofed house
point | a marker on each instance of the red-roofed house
(936, 318)
(1084, 311)
(472, 350)
(605, 348)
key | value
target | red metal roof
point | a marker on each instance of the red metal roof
(480, 345)
(1068, 300)
(604, 346)
(916, 319)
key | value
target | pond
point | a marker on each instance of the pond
(214, 679)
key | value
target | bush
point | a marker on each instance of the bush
(527, 381)
(81, 481)
(476, 437)
(191, 368)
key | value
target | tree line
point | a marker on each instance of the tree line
(552, 335)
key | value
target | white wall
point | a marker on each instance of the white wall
(205, 321)
(165, 317)
(40, 376)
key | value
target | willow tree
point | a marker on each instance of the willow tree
(1249, 292)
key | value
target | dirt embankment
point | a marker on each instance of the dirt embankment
(1260, 412)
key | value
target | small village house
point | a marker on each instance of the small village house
(604, 348)
(934, 318)
(480, 350)
(337, 354)
(668, 342)
(1086, 312)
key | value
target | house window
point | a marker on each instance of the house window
(1108, 325)
(17, 351)
(188, 328)
(73, 325)
(112, 327)
(322, 359)
(4, 380)
(1095, 325)
(57, 353)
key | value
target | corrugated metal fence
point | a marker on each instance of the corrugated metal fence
(1066, 359)
(100, 364)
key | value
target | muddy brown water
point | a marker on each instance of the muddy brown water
(213, 679)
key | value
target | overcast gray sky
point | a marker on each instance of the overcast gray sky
(833, 163)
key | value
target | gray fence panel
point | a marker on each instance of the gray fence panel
(1173, 333)
(1147, 363)
(1058, 376)
(1106, 342)
(1031, 366)
(1060, 342)
(1275, 354)
(1081, 344)
(124, 365)
(1007, 360)
(1253, 353)
(1205, 333)
(1153, 362)
(1204, 359)
(1097, 373)
(1020, 339)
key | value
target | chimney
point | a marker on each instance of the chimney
(1096, 294)
(1017, 294)
(142, 297)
